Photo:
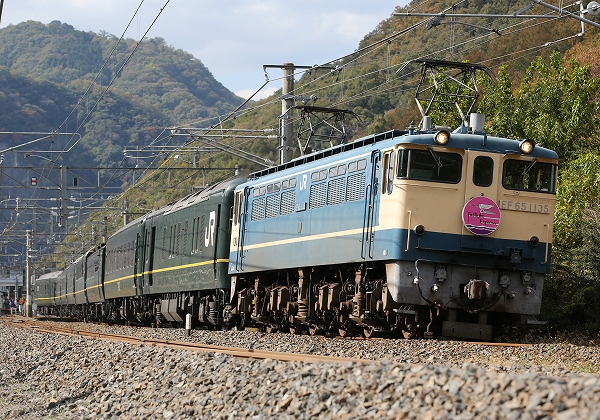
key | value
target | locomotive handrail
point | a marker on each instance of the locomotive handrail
(547, 226)
(408, 230)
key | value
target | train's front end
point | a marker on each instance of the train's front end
(470, 218)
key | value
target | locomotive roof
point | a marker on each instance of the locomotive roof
(467, 141)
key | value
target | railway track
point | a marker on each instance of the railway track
(240, 352)
(247, 353)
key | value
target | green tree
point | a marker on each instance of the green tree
(553, 106)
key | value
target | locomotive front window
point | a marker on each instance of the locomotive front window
(429, 165)
(483, 171)
(529, 175)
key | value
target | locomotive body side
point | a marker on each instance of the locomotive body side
(311, 215)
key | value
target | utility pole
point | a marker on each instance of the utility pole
(27, 275)
(63, 196)
(287, 102)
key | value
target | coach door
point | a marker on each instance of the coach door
(481, 215)
(145, 250)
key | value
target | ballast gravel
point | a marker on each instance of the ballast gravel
(68, 377)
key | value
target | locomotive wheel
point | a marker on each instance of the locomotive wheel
(271, 329)
(409, 334)
(369, 332)
(313, 329)
(410, 329)
(344, 332)
(241, 324)
(294, 329)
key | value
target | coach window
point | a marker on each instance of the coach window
(164, 243)
(529, 175)
(185, 237)
(483, 171)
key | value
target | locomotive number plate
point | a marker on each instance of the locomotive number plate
(524, 206)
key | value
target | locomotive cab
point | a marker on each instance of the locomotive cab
(475, 217)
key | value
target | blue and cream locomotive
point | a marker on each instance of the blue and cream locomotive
(396, 231)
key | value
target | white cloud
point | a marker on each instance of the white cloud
(264, 93)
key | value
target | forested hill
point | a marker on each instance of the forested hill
(45, 68)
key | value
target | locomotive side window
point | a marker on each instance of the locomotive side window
(359, 165)
(529, 175)
(237, 207)
(429, 165)
(318, 175)
(387, 172)
(483, 171)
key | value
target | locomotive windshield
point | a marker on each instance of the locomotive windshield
(429, 165)
(529, 175)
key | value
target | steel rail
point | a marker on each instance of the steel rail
(245, 353)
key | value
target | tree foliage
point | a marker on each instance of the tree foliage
(555, 105)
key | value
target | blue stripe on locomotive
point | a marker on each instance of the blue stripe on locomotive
(336, 248)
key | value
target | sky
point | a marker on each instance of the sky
(232, 38)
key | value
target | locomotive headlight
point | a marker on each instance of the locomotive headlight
(442, 137)
(527, 146)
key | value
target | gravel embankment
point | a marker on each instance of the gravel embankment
(47, 376)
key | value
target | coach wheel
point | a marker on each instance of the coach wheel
(271, 329)
(313, 329)
(369, 332)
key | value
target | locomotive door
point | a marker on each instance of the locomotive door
(372, 187)
(481, 183)
(242, 229)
